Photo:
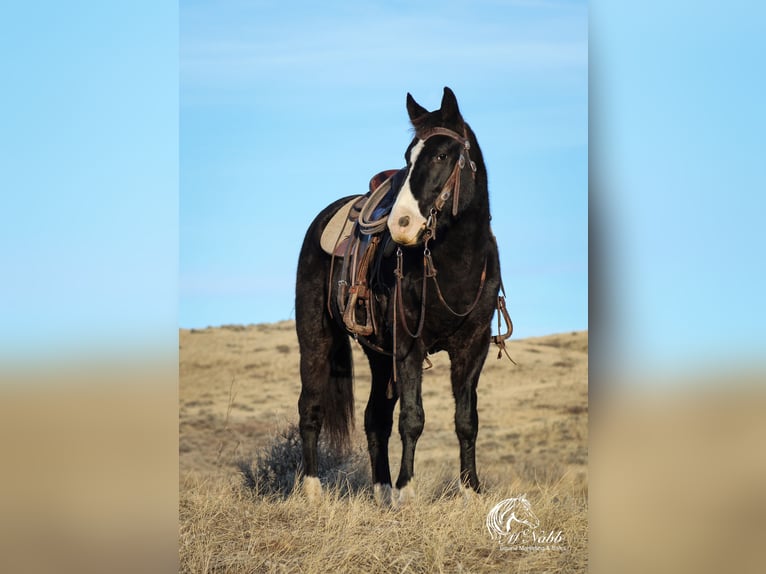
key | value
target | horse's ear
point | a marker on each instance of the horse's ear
(414, 109)
(450, 111)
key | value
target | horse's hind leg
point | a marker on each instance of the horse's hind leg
(378, 421)
(466, 368)
(326, 398)
(315, 374)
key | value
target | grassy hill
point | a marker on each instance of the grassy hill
(239, 387)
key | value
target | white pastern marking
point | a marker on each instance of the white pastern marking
(407, 206)
(469, 494)
(312, 488)
(405, 495)
(382, 494)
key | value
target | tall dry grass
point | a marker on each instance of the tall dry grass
(230, 526)
(239, 511)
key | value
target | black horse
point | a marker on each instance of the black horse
(434, 287)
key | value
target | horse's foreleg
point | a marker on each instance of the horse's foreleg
(466, 368)
(378, 421)
(411, 419)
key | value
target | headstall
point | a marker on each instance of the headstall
(369, 226)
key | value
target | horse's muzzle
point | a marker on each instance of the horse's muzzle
(404, 231)
(405, 222)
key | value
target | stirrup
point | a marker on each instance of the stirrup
(357, 298)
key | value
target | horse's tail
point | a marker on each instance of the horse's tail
(339, 398)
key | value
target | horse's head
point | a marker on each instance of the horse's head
(440, 157)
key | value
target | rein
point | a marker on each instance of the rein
(369, 226)
(430, 272)
(373, 227)
(450, 188)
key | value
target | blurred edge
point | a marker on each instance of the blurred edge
(88, 322)
(677, 481)
(90, 473)
(678, 362)
(677, 467)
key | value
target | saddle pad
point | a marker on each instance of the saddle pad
(338, 228)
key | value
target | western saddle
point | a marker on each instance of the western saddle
(355, 234)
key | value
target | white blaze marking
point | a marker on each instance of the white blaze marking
(407, 206)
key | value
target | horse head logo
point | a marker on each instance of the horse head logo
(502, 516)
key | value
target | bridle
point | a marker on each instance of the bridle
(369, 226)
(452, 186)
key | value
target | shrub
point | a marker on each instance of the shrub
(278, 466)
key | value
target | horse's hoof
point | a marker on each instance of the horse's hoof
(312, 488)
(382, 493)
(405, 495)
(469, 494)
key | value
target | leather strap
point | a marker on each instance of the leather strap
(452, 185)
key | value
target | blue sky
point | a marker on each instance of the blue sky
(677, 132)
(283, 110)
(101, 191)
(88, 164)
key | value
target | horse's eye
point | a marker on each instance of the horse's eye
(441, 157)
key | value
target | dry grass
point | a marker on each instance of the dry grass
(238, 399)
(224, 528)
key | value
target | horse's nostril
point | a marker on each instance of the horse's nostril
(404, 221)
